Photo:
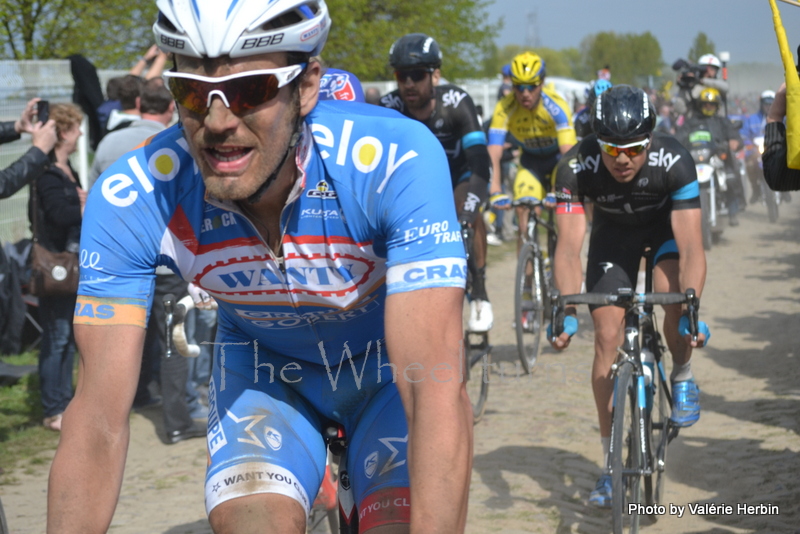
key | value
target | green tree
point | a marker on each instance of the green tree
(631, 57)
(111, 33)
(363, 31)
(700, 46)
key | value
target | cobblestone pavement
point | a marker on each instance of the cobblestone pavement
(537, 450)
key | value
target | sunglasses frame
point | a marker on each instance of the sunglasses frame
(284, 76)
(397, 74)
(624, 149)
(522, 87)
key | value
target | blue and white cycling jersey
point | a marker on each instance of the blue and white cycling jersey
(367, 217)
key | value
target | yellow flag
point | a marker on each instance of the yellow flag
(792, 92)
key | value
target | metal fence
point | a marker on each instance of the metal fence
(52, 80)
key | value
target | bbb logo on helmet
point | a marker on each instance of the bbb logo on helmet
(268, 40)
(173, 43)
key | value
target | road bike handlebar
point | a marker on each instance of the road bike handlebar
(176, 334)
(624, 298)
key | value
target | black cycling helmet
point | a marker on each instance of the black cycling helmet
(415, 50)
(623, 112)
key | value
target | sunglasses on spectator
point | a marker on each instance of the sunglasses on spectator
(522, 87)
(416, 75)
(631, 150)
(239, 92)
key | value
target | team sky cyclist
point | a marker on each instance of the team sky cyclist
(450, 114)
(540, 123)
(309, 224)
(645, 192)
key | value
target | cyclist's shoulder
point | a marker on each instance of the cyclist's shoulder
(506, 106)
(160, 171)
(451, 95)
(555, 104)
(667, 142)
(392, 100)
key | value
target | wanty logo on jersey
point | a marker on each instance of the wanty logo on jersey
(319, 276)
(366, 154)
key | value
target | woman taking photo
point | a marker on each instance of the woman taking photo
(58, 228)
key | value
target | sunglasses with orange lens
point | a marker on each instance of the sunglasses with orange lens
(239, 92)
(631, 150)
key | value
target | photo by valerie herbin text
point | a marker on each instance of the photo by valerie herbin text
(712, 509)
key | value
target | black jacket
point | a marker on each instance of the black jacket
(59, 222)
(778, 175)
(31, 165)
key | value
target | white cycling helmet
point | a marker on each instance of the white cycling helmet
(709, 60)
(237, 28)
(768, 95)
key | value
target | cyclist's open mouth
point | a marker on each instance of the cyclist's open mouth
(228, 159)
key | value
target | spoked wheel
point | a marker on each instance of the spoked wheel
(660, 430)
(529, 304)
(626, 454)
(705, 223)
(477, 362)
(771, 199)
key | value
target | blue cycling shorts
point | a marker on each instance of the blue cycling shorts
(267, 413)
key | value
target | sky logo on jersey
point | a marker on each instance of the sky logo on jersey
(662, 159)
(366, 154)
(453, 98)
(580, 164)
(323, 191)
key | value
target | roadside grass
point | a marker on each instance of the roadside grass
(22, 436)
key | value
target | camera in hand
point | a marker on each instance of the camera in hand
(688, 73)
(42, 111)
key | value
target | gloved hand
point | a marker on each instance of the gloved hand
(202, 300)
(500, 201)
(570, 326)
(702, 328)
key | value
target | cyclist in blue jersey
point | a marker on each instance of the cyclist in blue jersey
(327, 235)
(450, 114)
(645, 192)
(752, 134)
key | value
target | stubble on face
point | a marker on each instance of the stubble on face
(236, 155)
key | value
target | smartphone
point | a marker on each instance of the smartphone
(42, 111)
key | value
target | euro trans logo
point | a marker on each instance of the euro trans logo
(323, 191)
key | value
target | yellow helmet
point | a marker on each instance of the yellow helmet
(527, 68)
(709, 95)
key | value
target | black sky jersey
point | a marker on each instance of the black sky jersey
(454, 122)
(667, 181)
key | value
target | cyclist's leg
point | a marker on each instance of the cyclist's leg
(265, 449)
(686, 395)
(377, 452)
(526, 185)
(612, 264)
(478, 252)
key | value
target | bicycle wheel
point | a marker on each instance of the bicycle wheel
(529, 304)
(659, 432)
(626, 454)
(477, 361)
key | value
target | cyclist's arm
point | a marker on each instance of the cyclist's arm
(90, 459)
(495, 154)
(689, 239)
(481, 167)
(567, 272)
(423, 336)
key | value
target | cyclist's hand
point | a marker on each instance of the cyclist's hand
(703, 333)
(202, 300)
(500, 201)
(570, 329)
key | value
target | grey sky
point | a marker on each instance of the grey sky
(742, 27)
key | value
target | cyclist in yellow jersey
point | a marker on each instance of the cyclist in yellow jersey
(539, 121)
